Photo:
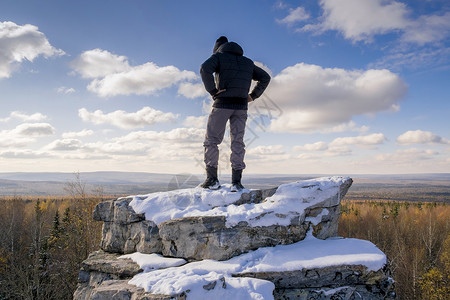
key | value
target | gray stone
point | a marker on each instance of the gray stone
(121, 290)
(104, 276)
(125, 231)
(332, 276)
(328, 224)
(346, 292)
(103, 262)
(129, 238)
(198, 238)
(335, 199)
(115, 290)
(255, 196)
(117, 211)
(334, 282)
(102, 267)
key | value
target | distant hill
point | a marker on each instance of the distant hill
(90, 177)
(366, 186)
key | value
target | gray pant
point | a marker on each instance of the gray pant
(215, 131)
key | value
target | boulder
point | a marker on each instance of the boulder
(334, 282)
(101, 266)
(227, 238)
(197, 238)
(121, 290)
(211, 236)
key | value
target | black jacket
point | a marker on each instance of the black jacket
(234, 73)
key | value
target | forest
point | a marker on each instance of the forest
(44, 240)
(415, 236)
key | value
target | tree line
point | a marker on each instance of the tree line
(415, 236)
(44, 241)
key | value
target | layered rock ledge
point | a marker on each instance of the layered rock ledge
(233, 233)
(200, 224)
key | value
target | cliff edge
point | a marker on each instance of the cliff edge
(278, 243)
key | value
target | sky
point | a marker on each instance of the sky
(358, 86)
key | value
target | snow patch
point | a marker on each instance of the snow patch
(211, 278)
(317, 219)
(289, 201)
(153, 261)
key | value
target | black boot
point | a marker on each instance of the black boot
(236, 176)
(211, 181)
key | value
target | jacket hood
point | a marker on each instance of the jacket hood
(231, 47)
(219, 42)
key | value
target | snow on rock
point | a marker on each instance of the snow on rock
(290, 200)
(197, 224)
(315, 253)
(310, 253)
(277, 243)
(317, 219)
(153, 261)
(163, 206)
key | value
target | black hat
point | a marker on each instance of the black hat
(219, 42)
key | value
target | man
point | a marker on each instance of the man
(230, 90)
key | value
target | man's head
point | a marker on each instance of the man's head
(219, 42)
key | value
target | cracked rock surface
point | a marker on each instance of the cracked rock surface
(211, 235)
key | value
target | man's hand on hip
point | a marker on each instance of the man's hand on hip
(219, 92)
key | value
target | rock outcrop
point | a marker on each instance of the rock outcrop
(198, 225)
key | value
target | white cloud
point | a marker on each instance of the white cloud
(338, 147)
(192, 90)
(88, 156)
(257, 155)
(407, 156)
(65, 90)
(295, 15)
(420, 137)
(428, 29)
(24, 154)
(338, 151)
(280, 5)
(361, 20)
(24, 134)
(321, 149)
(34, 129)
(413, 60)
(365, 140)
(266, 150)
(350, 126)
(99, 63)
(141, 80)
(36, 117)
(144, 117)
(82, 133)
(313, 98)
(178, 135)
(20, 43)
(196, 122)
(9, 140)
(118, 148)
(112, 75)
(318, 146)
(177, 144)
(64, 145)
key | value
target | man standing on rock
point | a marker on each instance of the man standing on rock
(230, 90)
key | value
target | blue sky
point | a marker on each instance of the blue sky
(358, 86)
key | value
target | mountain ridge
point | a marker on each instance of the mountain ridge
(125, 183)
